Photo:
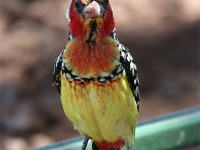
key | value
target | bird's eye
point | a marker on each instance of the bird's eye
(79, 6)
(104, 3)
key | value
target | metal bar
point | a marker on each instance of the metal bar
(171, 131)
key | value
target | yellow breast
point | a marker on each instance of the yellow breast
(107, 112)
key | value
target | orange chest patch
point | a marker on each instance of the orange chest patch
(87, 59)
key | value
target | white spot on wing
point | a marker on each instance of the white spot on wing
(135, 81)
(120, 46)
(123, 54)
(133, 72)
(131, 65)
(129, 57)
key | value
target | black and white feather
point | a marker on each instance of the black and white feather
(59, 66)
(130, 68)
(57, 70)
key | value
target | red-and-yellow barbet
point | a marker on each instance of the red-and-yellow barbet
(97, 78)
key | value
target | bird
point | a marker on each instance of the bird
(97, 78)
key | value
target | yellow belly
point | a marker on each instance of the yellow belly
(107, 112)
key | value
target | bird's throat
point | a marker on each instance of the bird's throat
(92, 32)
(92, 54)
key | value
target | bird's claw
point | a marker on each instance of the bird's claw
(85, 142)
(128, 147)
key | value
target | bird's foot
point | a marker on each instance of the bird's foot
(128, 147)
(85, 142)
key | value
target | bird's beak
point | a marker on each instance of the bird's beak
(93, 10)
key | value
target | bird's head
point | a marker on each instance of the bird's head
(88, 15)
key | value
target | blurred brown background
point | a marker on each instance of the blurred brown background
(163, 37)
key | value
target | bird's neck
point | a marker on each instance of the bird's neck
(93, 53)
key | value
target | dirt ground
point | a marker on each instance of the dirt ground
(163, 37)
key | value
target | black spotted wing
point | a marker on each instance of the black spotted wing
(131, 71)
(57, 71)
(58, 66)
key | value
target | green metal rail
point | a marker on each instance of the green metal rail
(172, 131)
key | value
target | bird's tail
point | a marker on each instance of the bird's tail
(104, 145)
